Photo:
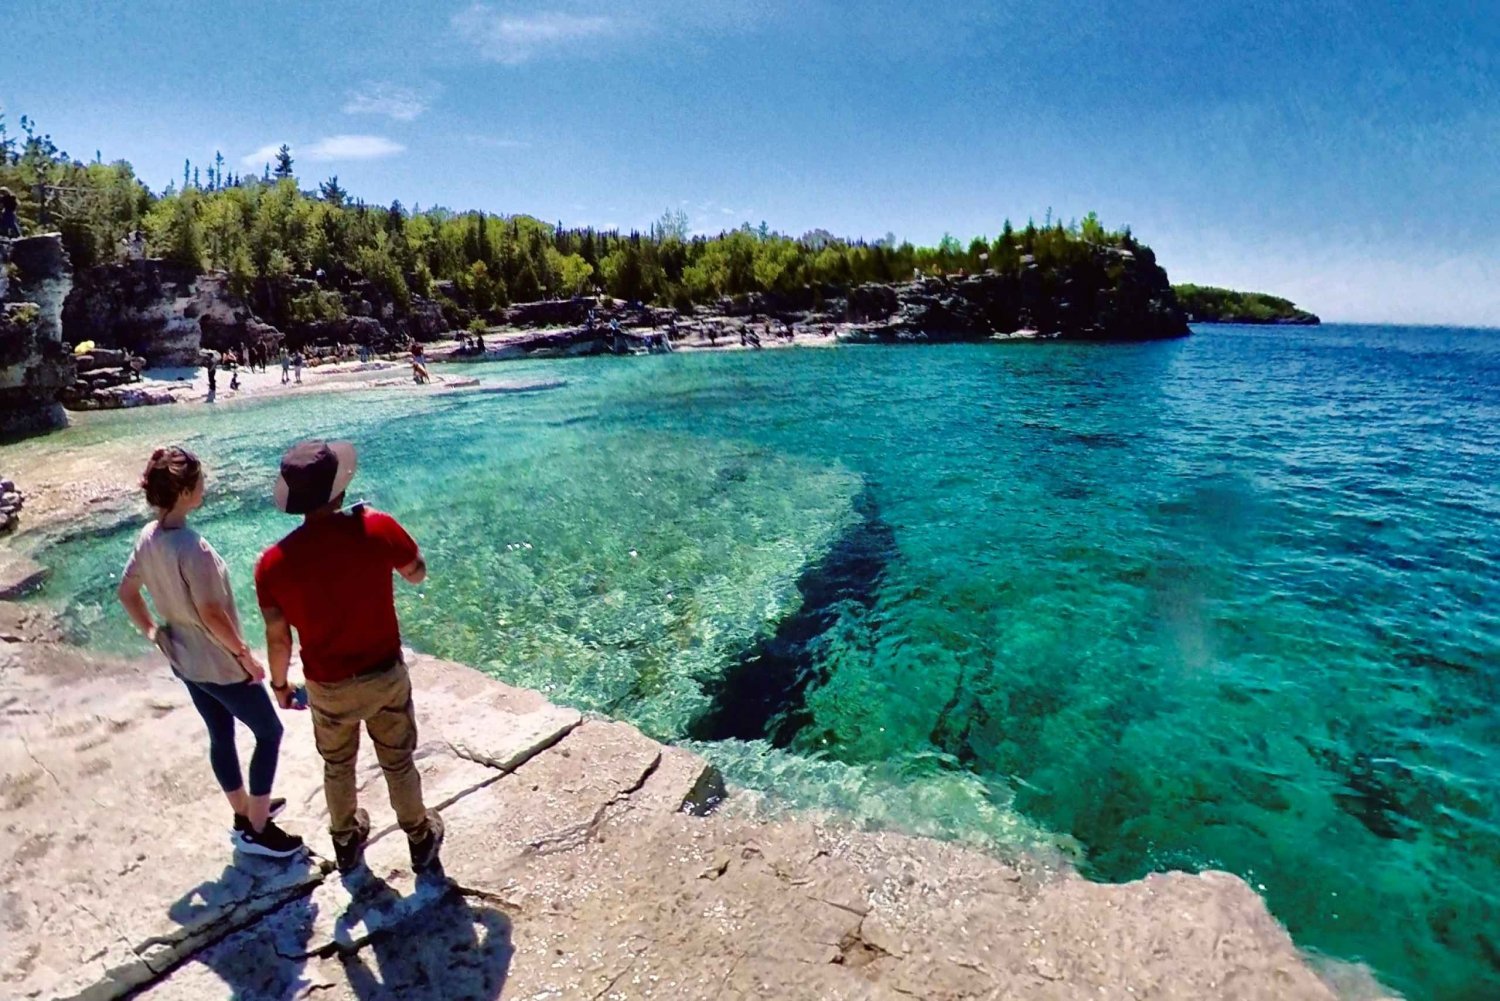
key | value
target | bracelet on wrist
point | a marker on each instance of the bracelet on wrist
(281, 687)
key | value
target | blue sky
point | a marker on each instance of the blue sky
(1345, 154)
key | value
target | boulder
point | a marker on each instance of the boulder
(425, 320)
(102, 358)
(547, 313)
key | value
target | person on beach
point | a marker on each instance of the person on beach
(331, 581)
(200, 635)
(213, 375)
(10, 226)
(297, 365)
(286, 367)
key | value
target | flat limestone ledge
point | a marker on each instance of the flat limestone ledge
(574, 869)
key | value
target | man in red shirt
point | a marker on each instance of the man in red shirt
(330, 580)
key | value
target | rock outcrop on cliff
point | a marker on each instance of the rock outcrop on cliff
(140, 306)
(35, 363)
(1116, 295)
(168, 313)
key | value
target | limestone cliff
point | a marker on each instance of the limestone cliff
(141, 306)
(168, 313)
(35, 363)
(1116, 295)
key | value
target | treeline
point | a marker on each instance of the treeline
(270, 226)
(1209, 304)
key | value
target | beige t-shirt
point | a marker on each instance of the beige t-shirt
(179, 568)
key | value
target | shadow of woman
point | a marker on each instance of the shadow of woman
(433, 945)
(444, 949)
(253, 962)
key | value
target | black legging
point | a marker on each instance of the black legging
(246, 701)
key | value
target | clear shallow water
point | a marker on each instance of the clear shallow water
(1226, 602)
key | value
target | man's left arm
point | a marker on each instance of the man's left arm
(405, 554)
(414, 572)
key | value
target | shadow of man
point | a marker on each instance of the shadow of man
(443, 948)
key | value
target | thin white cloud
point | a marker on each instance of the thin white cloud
(373, 97)
(329, 148)
(515, 38)
(263, 155)
(346, 147)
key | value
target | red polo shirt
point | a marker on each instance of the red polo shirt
(331, 578)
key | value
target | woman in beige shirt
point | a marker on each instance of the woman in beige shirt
(199, 632)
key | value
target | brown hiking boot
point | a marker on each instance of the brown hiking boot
(424, 853)
(349, 854)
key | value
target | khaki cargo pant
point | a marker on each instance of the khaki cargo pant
(382, 702)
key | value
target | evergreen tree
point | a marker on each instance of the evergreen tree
(283, 162)
(331, 193)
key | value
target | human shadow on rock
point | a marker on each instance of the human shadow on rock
(445, 949)
(258, 962)
(432, 945)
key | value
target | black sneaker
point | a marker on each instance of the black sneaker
(270, 841)
(242, 822)
(349, 854)
(424, 853)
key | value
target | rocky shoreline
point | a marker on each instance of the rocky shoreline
(583, 861)
(150, 314)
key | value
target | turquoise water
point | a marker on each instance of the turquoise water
(1225, 602)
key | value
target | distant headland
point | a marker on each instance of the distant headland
(1208, 304)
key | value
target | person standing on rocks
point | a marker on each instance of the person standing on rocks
(200, 635)
(331, 581)
(10, 226)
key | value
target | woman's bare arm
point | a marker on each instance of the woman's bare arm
(136, 607)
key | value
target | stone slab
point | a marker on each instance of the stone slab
(482, 719)
(116, 856)
(19, 574)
